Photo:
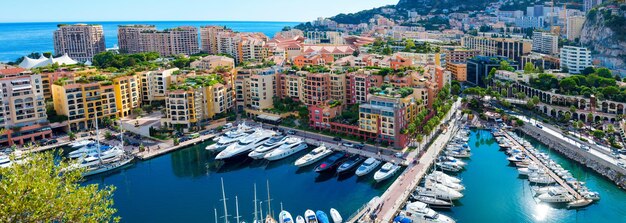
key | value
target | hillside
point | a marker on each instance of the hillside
(604, 33)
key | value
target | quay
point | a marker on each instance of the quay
(551, 173)
(166, 147)
(398, 193)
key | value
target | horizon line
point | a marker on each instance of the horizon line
(96, 21)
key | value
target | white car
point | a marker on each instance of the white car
(398, 155)
(348, 144)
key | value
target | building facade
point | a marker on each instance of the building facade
(154, 84)
(80, 102)
(575, 59)
(478, 68)
(129, 37)
(545, 43)
(513, 48)
(80, 42)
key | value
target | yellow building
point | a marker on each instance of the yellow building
(127, 94)
(458, 71)
(80, 101)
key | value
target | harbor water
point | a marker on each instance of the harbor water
(184, 186)
(495, 193)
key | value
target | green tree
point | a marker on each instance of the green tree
(39, 190)
(604, 72)
(71, 135)
(387, 51)
(598, 134)
(409, 45)
(529, 68)
(588, 70)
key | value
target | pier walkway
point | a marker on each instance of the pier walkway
(398, 193)
(551, 173)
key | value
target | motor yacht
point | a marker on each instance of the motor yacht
(315, 155)
(300, 219)
(89, 149)
(386, 172)
(80, 144)
(245, 144)
(291, 146)
(449, 167)
(334, 214)
(322, 217)
(419, 212)
(331, 162)
(225, 141)
(445, 182)
(285, 217)
(556, 196)
(439, 192)
(432, 201)
(310, 217)
(368, 166)
(443, 175)
(267, 147)
(350, 164)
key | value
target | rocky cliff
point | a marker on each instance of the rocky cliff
(604, 33)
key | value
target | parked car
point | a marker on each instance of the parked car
(228, 125)
(204, 133)
(337, 139)
(348, 144)
(359, 146)
(53, 141)
(621, 164)
(84, 135)
(584, 147)
(398, 155)
(539, 126)
(291, 132)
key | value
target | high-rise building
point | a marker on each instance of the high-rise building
(170, 42)
(513, 48)
(80, 102)
(155, 83)
(23, 110)
(212, 62)
(459, 55)
(129, 37)
(545, 43)
(574, 27)
(127, 94)
(209, 38)
(589, 4)
(80, 42)
(575, 59)
(316, 88)
(478, 68)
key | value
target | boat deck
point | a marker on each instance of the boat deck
(551, 173)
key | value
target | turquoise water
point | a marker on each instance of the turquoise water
(184, 186)
(494, 193)
(21, 39)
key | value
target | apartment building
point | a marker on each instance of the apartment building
(229, 43)
(291, 85)
(127, 94)
(458, 71)
(545, 43)
(252, 48)
(262, 91)
(358, 85)
(129, 37)
(80, 41)
(209, 38)
(459, 55)
(512, 48)
(80, 102)
(212, 62)
(48, 78)
(312, 59)
(256, 88)
(183, 108)
(155, 83)
(575, 59)
(22, 109)
(478, 68)
(338, 88)
(316, 88)
(170, 42)
(387, 113)
(574, 27)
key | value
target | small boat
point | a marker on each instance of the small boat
(449, 167)
(432, 201)
(321, 217)
(101, 168)
(331, 162)
(310, 217)
(445, 182)
(350, 164)
(541, 179)
(516, 158)
(291, 146)
(385, 172)
(579, 203)
(334, 214)
(300, 219)
(448, 177)
(89, 149)
(439, 192)
(368, 166)
(315, 155)
(594, 196)
(5, 161)
(267, 147)
(419, 212)
(285, 217)
(245, 145)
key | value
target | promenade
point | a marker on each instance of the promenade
(398, 193)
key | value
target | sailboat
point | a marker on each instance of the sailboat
(101, 166)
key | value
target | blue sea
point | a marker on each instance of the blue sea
(20, 39)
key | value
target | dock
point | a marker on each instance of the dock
(549, 171)
(399, 192)
(351, 150)
(166, 147)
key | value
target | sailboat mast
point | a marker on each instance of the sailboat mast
(261, 205)
(237, 209)
(121, 136)
(215, 211)
(269, 201)
(97, 136)
(255, 205)
(224, 200)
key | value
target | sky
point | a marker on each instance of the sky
(179, 10)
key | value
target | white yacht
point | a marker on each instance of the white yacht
(419, 212)
(388, 170)
(267, 147)
(104, 157)
(310, 217)
(285, 217)
(5, 161)
(541, 179)
(300, 219)
(440, 192)
(315, 155)
(80, 144)
(368, 166)
(291, 146)
(91, 149)
(448, 177)
(556, 196)
(445, 182)
(246, 144)
(225, 141)
(334, 214)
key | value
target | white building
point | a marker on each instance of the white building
(575, 59)
(545, 43)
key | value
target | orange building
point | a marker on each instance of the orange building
(313, 59)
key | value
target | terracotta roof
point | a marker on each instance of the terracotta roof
(16, 70)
